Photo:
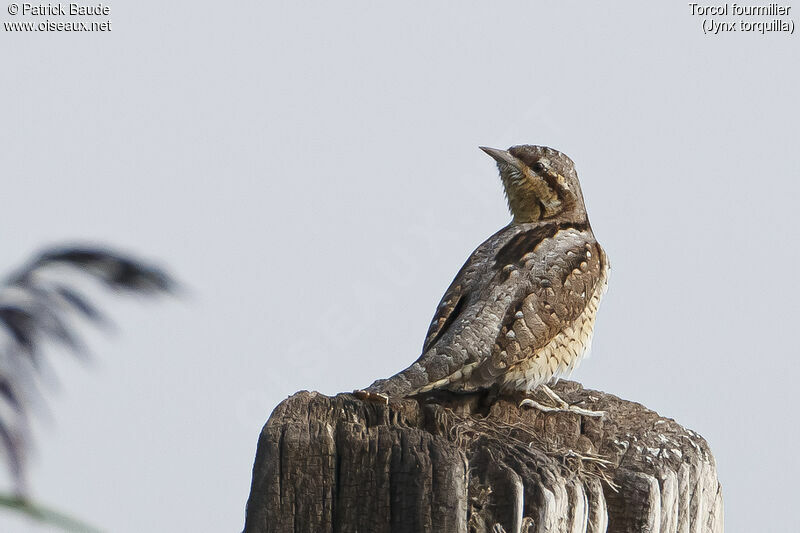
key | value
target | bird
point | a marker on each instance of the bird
(520, 313)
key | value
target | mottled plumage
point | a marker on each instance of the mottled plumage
(521, 310)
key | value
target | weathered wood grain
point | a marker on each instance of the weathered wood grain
(475, 464)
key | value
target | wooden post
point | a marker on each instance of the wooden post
(472, 464)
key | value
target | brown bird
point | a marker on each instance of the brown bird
(520, 312)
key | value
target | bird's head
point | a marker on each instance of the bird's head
(540, 184)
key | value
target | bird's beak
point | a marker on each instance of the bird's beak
(501, 156)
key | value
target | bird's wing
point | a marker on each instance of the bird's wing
(564, 272)
(518, 270)
(463, 292)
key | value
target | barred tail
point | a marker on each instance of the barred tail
(420, 378)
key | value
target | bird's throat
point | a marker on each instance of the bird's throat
(530, 197)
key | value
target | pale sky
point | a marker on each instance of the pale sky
(311, 173)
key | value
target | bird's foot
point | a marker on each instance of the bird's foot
(561, 405)
(374, 397)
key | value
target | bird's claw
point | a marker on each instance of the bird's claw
(562, 406)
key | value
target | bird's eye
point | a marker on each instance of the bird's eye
(537, 167)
